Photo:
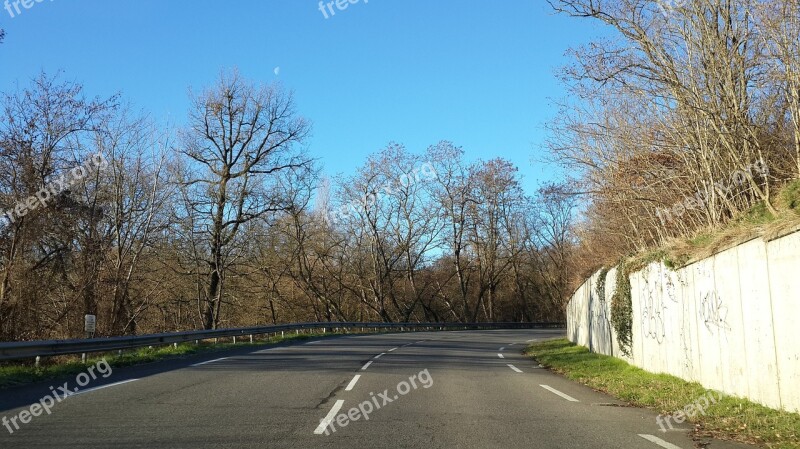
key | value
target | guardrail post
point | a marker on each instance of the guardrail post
(175, 345)
(216, 340)
(38, 359)
(251, 339)
(83, 357)
(234, 339)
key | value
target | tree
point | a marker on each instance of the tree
(48, 131)
(386, 228)
(137, 196)
(453, 191)
(240, 138)
(498, 197)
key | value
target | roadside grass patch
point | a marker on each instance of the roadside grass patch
(730, 418)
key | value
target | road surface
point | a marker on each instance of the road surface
(470, 389)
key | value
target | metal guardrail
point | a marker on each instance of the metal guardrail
(47, 348)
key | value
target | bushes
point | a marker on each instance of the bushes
(622, 309)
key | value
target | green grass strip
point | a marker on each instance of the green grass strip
(731, 418)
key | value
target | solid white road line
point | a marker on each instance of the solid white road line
(563, 395)
(352, 383)
(659, 441)
(515, 368)
(102, 387)
(501, 356)
(363, 368)
(379, 355)
(393, 349)
(329, 418)
(209, 361)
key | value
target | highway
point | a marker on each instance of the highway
(471, 389)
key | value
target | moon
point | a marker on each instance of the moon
(277, 71)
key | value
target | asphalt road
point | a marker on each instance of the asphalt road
(418, 390)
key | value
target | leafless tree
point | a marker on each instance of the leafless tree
(240, 138)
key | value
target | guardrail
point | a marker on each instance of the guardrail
(47, 348)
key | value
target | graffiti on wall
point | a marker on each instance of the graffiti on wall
(714, 312)
(712, 309)
(653, 309)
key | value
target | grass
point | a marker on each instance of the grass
(731, 418)
(15, 374)
(790, 196)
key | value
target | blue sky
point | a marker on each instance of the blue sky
(478, 73)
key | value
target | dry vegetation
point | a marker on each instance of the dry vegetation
(685, 123)
(227, 222)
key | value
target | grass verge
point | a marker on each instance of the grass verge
(731, 418)
(15, 373)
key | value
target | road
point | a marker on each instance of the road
(426, 390)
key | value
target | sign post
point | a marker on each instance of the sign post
(90, 325)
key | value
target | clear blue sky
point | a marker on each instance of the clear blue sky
(478, 73)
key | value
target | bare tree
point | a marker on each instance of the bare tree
(779, 24)
(138, 196)
(240, 138)
(454, 193)
(498, 196)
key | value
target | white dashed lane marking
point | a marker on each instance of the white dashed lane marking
(563, 395)
(515, 368)
(102, 387)
(209, 361)
(659, 441)
(329, 418)
(352, 383)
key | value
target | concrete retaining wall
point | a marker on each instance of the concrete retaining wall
(730, 322)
